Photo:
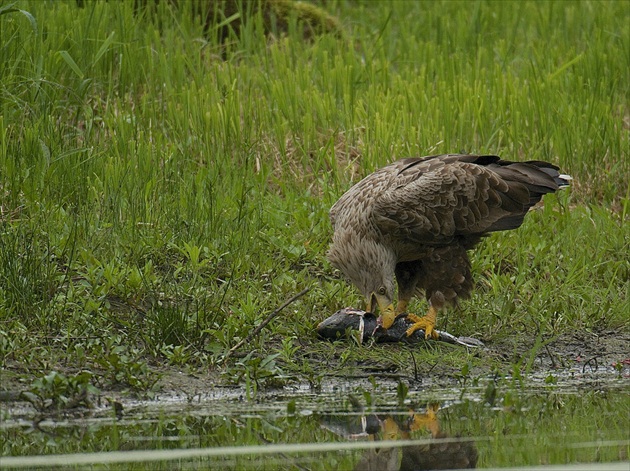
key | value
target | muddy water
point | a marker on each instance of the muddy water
(367, 425)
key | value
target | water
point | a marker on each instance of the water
(366, 425)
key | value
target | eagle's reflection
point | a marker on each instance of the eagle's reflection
(441, 452)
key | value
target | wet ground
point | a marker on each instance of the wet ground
(344, 425)
(574, 407)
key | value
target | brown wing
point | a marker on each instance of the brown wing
(435, 199)
(360, 198)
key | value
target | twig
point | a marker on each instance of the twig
(415, 367)
(262, 325)
(553, 362)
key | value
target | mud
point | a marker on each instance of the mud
(575, 360)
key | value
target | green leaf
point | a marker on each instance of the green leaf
(65, 55)
(104, 47)
(7, 8)
(11, 9)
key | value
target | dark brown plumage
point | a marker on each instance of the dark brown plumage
(411, 223)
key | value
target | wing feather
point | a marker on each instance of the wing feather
(435, 199)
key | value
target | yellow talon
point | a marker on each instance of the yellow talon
(426, 421)
(426, 323)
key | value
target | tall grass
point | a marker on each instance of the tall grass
(192, 178)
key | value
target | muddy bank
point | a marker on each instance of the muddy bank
(582, 357)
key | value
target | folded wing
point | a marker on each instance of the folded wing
(436, 199)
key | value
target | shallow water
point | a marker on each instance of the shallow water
(344, 425)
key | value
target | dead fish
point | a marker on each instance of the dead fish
(349, 319)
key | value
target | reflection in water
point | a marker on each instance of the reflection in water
(320, 432)
(439, 452)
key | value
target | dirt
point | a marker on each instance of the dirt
(605, 355)
(580, 357)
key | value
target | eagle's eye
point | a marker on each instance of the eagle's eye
(382, 290)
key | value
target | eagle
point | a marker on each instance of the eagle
(409, 226)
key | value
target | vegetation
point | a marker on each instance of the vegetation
(592, 424)
(162, 188)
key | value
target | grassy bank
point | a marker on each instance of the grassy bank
(161, 191)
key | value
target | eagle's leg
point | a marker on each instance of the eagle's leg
(408, 275)
(426, 421)
(426, 323)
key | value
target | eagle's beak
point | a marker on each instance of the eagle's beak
(386, 310)
(386, 319)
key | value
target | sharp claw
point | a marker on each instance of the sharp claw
(420, 323)
(426, 323)
(431, 333)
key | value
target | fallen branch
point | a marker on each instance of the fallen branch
(262, 325)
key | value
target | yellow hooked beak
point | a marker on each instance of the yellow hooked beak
(385, 307)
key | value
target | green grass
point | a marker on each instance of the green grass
(160, 192)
